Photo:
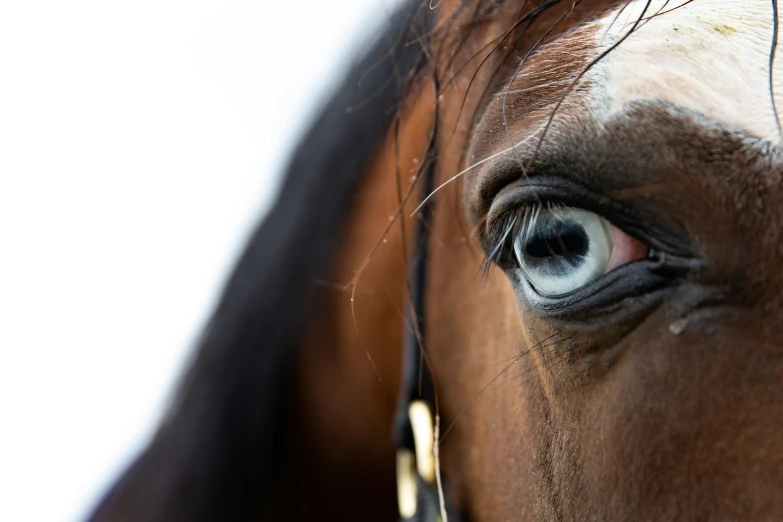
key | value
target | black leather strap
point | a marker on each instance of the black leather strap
(417, 383)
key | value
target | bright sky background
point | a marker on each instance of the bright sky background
(138, 143)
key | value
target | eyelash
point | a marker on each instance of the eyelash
(499, 235)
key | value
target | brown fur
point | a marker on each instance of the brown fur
(624, 419)
(655, 397)
(350, 366)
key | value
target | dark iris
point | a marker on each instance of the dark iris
(560, 247)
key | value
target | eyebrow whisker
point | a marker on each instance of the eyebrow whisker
(553, 83)
(532, 136)
(772, 53)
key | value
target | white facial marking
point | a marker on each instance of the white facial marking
(709, 56)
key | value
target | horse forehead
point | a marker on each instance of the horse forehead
(709, 56)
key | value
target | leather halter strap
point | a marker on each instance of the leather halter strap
(417, 488)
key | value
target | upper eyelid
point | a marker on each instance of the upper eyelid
(564, 191)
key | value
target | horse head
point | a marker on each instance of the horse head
(538, 240)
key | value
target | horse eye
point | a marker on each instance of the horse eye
(561, 249)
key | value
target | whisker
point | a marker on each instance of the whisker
(553, 363)
(772, 53)
(553, 83)
(527, 375)
(473, 166)
(538, 345)
(584, 71)
(614, 20)
(528, 16)
(517, 71)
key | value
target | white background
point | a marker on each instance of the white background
(138, 143)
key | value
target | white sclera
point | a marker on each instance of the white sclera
(563, 249)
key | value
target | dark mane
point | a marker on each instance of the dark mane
(216, 452)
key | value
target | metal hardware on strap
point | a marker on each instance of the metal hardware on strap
(423, 439)
(417, 491)
(407, 488)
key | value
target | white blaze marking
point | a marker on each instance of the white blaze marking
(710, 56)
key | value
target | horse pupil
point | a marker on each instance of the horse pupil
(562, 240)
